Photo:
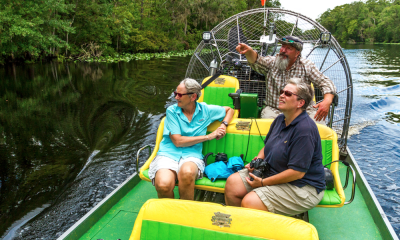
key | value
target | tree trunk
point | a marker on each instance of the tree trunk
(66, 47)
(185, 25)
(141, 15)
(117, 42)
(54, 32)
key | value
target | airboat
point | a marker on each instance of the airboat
(349, 210)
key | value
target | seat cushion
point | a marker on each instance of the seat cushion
(218, 96)
(159, 230)
(234, 145)
(183, 219)
(203, 184)
(331, 197)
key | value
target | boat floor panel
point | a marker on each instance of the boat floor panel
(118, 222)
(120, 227)
(352, 221)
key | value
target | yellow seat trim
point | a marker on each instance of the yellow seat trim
(245, 221)
(327, 133)
(159, 137)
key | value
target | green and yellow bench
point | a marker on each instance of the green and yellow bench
(182, 219)
(216, 93)
(235, 143)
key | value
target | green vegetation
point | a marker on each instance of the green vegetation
(126, 57)
(88, 29)
(370, 21)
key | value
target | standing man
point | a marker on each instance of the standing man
(287, 64)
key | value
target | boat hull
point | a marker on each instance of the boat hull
(114, 217)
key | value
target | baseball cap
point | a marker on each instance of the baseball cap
(292, 41)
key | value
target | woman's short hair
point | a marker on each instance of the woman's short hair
(192, 86)
(304, 91)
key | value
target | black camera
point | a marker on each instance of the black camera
(261, 168)
(219, 157)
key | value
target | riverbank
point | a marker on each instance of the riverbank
(123, 57)
(127, 57)
(368, 43)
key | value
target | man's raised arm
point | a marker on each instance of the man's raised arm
(250, 54)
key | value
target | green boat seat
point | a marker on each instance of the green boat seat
(216, 93)
(182, 219)
(235, 143)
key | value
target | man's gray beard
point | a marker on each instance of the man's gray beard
(282, 63)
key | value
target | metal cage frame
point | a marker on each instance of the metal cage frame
(248, 27)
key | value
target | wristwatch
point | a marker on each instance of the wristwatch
(225, 123)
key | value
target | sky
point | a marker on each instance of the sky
(312, 8)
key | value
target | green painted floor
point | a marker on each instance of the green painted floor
(118, 222)
(349, 222)
(352, 221)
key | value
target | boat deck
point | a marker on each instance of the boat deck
(353, 221)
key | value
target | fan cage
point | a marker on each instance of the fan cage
(248, 27)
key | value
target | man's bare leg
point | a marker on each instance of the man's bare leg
(234, 190)
(186, 177)
(165, 182)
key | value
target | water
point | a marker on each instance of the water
(69, 136)
(71, 132)
(375, 121)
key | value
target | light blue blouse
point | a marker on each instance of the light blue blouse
(177, 123)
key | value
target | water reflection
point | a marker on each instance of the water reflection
(393, 117)
(53, 117)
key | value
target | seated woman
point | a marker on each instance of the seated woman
(296, 180)
(180, 154)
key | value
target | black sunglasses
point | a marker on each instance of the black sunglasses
(288, 93)
(291, 41)
(181, 94)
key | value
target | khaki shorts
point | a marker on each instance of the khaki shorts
(285, 199)
(162, 162)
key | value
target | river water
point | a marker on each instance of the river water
(70, 133)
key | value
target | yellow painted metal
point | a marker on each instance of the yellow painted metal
(327, 133)
(159, 137)
(245, 221)
(312, 85)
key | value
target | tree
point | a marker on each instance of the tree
(30, 29)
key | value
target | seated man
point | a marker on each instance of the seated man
(285, 65)
(180, 154)
(296, 180)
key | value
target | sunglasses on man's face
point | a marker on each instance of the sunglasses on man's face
(289, 40)
(181, 94)
(288, 93)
